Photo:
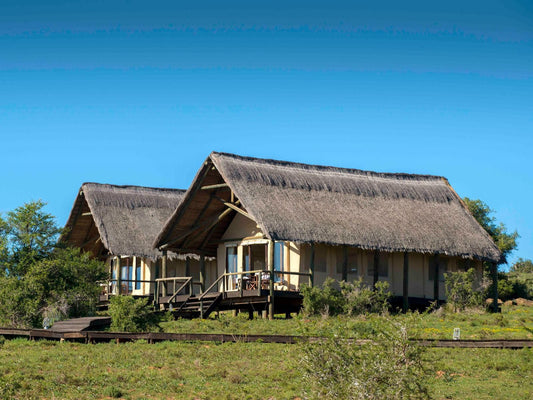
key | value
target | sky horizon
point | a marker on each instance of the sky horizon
(121, 92)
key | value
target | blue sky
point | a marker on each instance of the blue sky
(127, 92)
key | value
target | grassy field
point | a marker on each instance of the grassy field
(515, 322)
(53, 370)
(174, 370)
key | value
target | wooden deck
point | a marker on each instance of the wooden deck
(153, 337)
(81, 324)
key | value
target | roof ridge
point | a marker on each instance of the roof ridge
(332, 169)
(134, 187)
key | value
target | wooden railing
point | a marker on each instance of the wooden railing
(123, 283)
(186, 283)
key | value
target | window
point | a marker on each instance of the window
(383, 265)
(443, 267)
(279, 251)
(126, 273)
(137, 273)
(231, 259)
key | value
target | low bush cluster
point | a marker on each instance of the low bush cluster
(129, 314)
(351, 298)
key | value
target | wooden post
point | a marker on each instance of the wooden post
(312, 266)
(187, 273)
(202, 272)
(405, 282)
(376, 268)
(271, 269)
(494, 275)
(164, 273)
(119, 275)
(436, 277)
(345, 263)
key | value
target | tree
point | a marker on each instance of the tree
(522, 266)
(506, 242)
(37, 278)
(27, 235)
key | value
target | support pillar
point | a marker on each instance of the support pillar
(312, 266)
(405, 305)
(119, 275)
(202, 272)
(376, 268)
(164, 273)
(271, 269)
(494, 289)
(187, 273)
(345, 263)
(436, 277)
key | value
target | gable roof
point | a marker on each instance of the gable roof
(120, 220)
(338, 206)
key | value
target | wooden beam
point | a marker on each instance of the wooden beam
(86, 214)
(312, 266)
(345, 263)
(217, 186)
(119, 275)
(494, 288)
(207, 224)
(271, 287)
(376, 268)
(95, 239)
(164, 272)
(239, 210)
(436, 277)
(405, 293)
(202, 272)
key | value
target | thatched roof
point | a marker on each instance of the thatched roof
(338, 206)
(119, 220)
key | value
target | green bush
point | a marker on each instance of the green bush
(463, 289)
(352, 298)
(131, 315)
(322, 300)
(361, 299)
(388, 367)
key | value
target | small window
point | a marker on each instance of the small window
(279, 251)
(443, 267)
(383, 265)
(231, 259)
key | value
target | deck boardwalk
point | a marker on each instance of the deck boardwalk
(81, 324)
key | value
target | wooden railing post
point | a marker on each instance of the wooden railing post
(119, 275)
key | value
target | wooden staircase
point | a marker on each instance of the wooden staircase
(192, 306)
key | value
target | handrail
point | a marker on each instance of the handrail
(186, 283)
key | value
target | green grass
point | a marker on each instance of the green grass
(177, 370)
(515, 322)
(174, 370)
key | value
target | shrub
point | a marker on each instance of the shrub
(389, 367)
(352, 298)
(324, 300)
(131, 315)
(361, 299)
(463, 289)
